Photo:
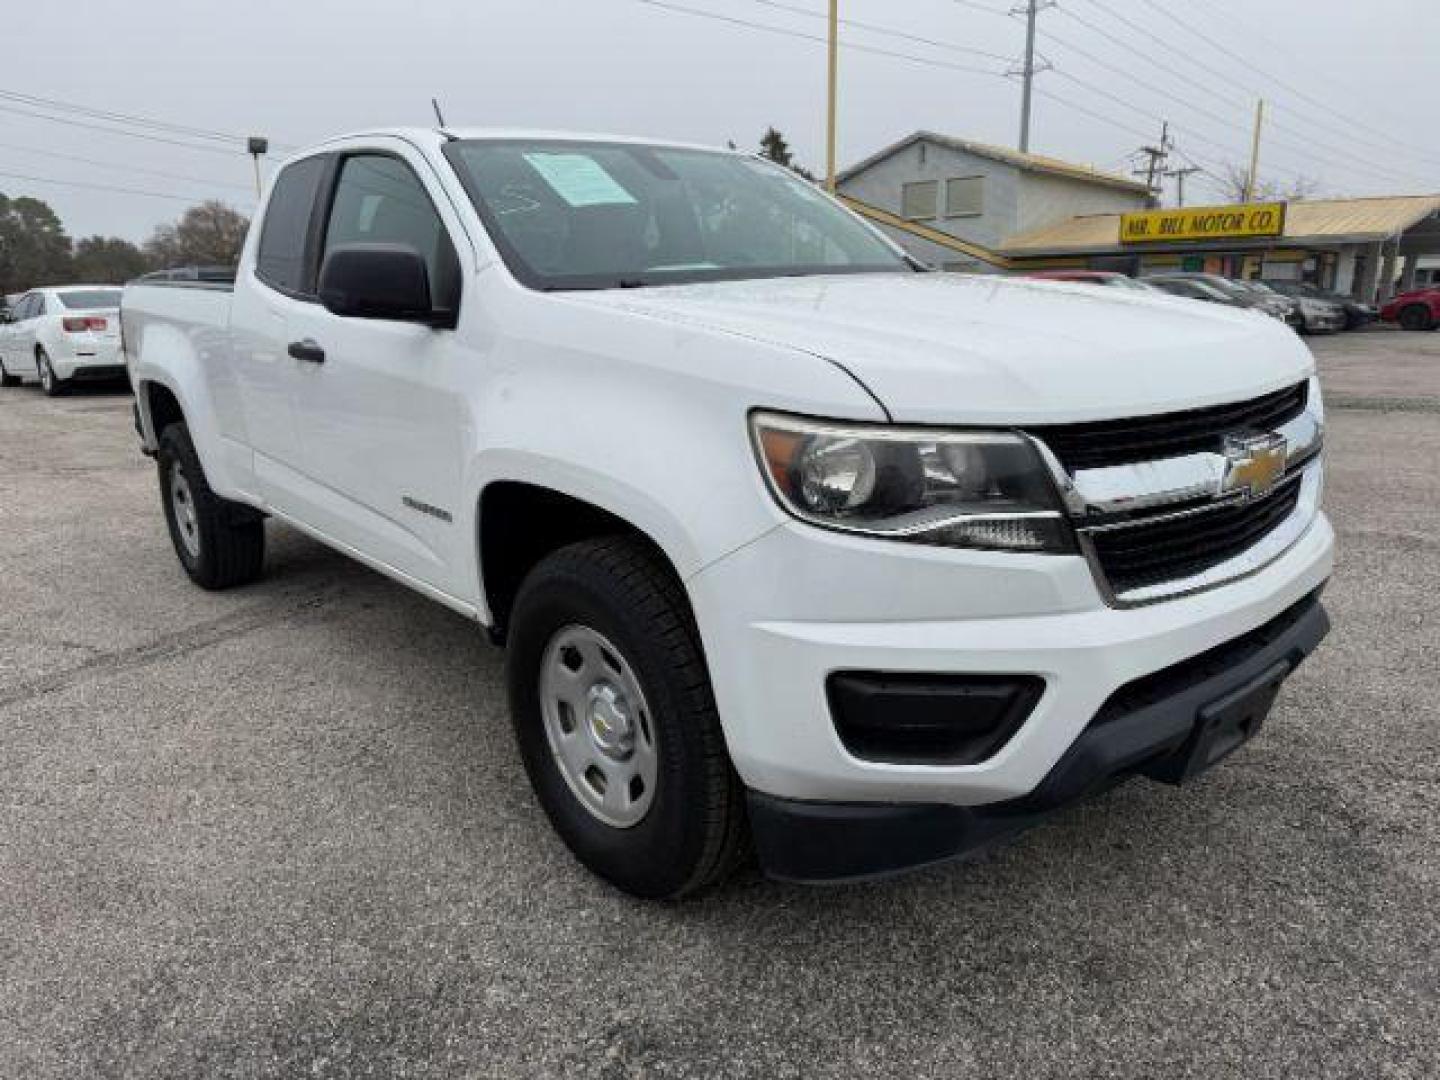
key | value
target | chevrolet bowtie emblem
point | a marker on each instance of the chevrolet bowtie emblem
(1253, 464)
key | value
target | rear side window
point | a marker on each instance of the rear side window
(281, 259)
(89, 299)
(380, 200)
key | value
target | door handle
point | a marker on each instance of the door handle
(307, 350)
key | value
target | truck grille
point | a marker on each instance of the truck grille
(1103, 443)
(1146, 553)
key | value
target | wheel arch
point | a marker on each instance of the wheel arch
(519, 522)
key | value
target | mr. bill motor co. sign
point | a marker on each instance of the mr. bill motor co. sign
(1203, 223)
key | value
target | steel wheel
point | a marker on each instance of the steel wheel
(182, 501)
(47, 377)
(598, 726)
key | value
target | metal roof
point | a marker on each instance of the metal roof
(1322, 221)
(1028, 162)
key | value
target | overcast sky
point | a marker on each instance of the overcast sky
(1353, 107)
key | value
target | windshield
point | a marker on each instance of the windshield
(89, 299)
(590, 215)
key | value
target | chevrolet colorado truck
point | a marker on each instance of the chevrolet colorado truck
(795, 546)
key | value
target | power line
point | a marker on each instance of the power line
(973, 6)
(165, 126)
(786, 32)
(1196, 62)
(192, 199)
(1226, 123)
(1264, 71)
(1368, 168)
(883, 30)
(123, 168)
(119, 131)
(1066, 102)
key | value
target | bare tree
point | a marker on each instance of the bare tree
(210, 234)
(1237, 178)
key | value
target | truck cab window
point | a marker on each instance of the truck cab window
(379, 199)
(281, 261)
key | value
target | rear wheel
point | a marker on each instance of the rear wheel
(51, 383)
(616, 721)
(6, 379)
(1417, 317)
(221, 544)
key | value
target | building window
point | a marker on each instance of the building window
(918, 200)
(965, 196)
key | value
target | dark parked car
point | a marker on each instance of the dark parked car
(1356, 313)
(1276, 306)
(1107, 278)
(1195, 290)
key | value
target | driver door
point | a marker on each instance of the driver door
(382, 421)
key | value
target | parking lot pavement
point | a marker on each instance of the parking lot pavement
(1380, 367)
(283, 832)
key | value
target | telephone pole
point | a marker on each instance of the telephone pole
(834, 74)
(1031, 10)
(1180, 175)
(1252, 177)
(1157, 156)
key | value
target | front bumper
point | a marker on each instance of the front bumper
(1164, 726)
(783, 613)
(1328, 322)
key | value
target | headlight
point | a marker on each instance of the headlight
(948, 488)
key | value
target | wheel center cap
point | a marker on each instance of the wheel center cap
(609, 721)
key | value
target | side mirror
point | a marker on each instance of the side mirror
(380, 281)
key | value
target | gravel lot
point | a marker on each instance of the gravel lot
(283, 832)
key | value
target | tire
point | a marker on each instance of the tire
(220, 544)
(6, 379)
(51, 383)
(1417, 317)
(692, 832)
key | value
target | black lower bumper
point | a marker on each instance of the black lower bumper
(1167, 726)
(98, 373)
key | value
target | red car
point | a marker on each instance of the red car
(1091, 277)
(1418, 309)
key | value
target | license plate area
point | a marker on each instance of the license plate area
(1222, 727)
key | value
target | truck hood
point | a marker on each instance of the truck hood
(959, 348)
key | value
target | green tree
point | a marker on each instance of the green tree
(34, 249)
(210, 234)
(108, 260)
(774, 147)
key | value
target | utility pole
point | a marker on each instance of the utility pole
(1157, 156)
(1251, 178)
(1031, 11)
(1180, 175)
(834, 75)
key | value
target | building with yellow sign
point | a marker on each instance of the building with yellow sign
(1366, 248)
(964, 205)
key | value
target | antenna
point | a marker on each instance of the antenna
(435, 104)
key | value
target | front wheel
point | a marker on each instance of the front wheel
(6, 379)
(1417, 317)
(616, 721)
(221, 544)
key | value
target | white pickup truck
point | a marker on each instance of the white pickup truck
(794, 545)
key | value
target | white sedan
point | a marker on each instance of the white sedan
(62, 335)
